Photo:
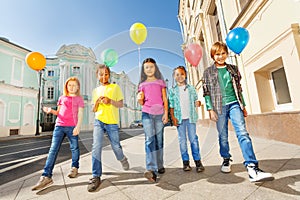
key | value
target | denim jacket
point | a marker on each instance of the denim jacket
(174, 102)
(211, 86)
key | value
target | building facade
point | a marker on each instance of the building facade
(269, 64)
(19, 88)
(18, 91)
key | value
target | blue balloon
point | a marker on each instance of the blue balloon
(237, 39)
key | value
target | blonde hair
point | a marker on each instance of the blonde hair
(66, 92)
(216, 47)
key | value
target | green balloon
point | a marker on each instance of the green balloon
(109, 57)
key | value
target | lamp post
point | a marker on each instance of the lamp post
(37, 62)
(37, 130)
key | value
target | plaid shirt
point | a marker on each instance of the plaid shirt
(211, 86)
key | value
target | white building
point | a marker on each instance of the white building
(269, 64)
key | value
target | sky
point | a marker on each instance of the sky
(45, 25)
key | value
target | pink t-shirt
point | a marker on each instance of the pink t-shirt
(68, 113)
(153, 103)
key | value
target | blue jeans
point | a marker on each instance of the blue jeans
(154, 141)
(235, 114)
(112, 131)
(190, 128)
(59, 134)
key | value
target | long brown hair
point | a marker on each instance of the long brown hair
(73, 78)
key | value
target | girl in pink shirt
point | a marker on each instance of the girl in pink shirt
(69, 118)
(153, 98)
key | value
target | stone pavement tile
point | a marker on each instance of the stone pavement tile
(215, 188)
(148, 191)
(10, 190)
(55, 191)
(267, 194)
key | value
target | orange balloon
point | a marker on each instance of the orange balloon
(35, 61)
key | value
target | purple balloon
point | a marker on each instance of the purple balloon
(237, 39)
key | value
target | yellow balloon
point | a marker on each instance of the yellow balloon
(35, 60)
(138, 33)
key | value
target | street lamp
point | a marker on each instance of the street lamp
(37, 130)
(37, 62)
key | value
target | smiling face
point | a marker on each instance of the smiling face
(180, 76)
(103, 76)
(219, 53)
(149, 69)
(220, 57)
(72, 87)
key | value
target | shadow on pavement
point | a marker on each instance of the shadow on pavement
(174, 178)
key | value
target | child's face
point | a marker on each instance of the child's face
(103, 76)
(220, 57)
(180, 76)
(72, 87)
(149, 69)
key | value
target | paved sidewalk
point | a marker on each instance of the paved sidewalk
(281, 159)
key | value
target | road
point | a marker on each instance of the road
(21, 157)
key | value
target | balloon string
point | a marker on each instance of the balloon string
(139, 52)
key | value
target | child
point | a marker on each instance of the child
(107, 99)
(223, 97)
(183, 101)
(153, 97)
(69, 118)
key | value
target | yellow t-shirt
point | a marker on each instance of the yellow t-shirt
(107, 113)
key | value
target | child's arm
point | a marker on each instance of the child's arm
(118, 104)
(140, 97)
(95, 108)
(76, 130)
(166, 107)
(174, 120)
(106, 100)
(50, 110)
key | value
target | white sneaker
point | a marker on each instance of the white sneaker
(226, 166)
(257, 175)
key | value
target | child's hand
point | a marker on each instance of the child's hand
(140, 96)
(106, 100)
(197, 103)
(175, 121)
(245, 112)
(76, 131)
(213, 115)
(165, 119)
(47, 109)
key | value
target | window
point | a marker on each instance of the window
(49, 118)
(17, 72)
(272, 87)
(50, 93)
(50, 72)
(76, 70)
(217, 23)
(281, 88)
(243, 3)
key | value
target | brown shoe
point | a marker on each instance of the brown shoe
(125, 163)
(94, 183)
(73, 172)
(42, 183)
(150, 175)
